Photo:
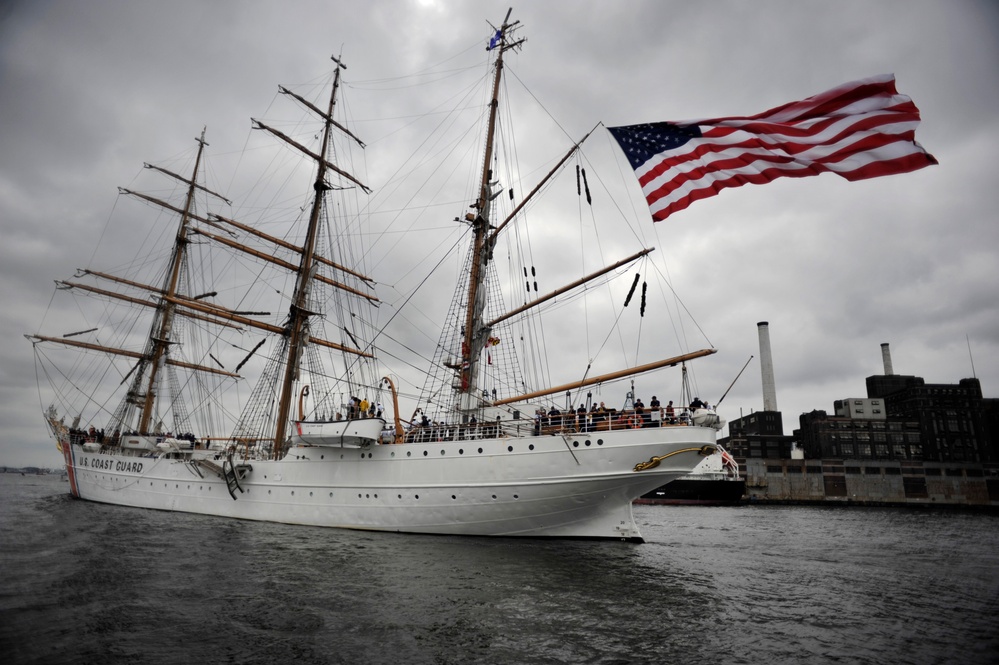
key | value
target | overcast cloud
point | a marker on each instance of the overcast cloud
(91, 90)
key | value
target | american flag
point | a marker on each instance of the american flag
(858, 130)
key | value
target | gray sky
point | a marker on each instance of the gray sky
(91, 90)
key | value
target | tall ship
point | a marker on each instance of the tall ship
(238, 368)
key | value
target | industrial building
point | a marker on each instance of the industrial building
(905, 418)
(906, 442)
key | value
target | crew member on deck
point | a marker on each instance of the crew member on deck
(640, 412)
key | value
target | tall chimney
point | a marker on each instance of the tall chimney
(886, 356)
(767, 368)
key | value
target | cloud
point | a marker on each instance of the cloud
(91, 91)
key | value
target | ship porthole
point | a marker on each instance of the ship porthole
(531, 447)
(425, 453)
(509, 449)
(480, 451)
(453, 497)
(600, 442)
(461, 451)
(588, 442)
(575, 444)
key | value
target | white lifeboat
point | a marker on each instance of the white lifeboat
(708, 418)
(353, 433)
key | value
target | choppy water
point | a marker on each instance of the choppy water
(87, 583)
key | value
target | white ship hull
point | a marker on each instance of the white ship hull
(579, 485)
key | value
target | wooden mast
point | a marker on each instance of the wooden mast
(474, 334)
(161, 338)
(298, 316)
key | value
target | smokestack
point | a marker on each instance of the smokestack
(767, 368)
(886, 356)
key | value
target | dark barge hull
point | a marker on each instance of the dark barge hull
(697, 493)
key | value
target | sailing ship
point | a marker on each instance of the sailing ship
(321, 439)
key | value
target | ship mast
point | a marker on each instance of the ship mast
(475, 333)
(160, 334)
(297, 328)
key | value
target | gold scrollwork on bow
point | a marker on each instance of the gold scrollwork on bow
(654, 461)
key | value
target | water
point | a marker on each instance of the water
(87, 583)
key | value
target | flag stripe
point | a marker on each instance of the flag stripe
(858, 130)
(732, 143)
